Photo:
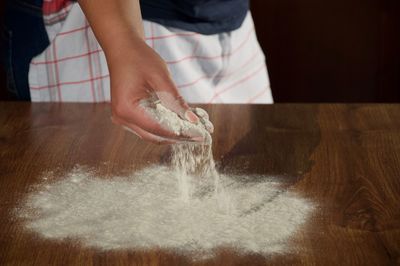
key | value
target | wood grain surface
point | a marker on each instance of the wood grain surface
(346, 158)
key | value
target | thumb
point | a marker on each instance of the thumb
(170, 97)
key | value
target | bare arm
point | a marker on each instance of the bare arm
(116, 23)
(135, 69)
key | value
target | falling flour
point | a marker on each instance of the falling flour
(186, 207)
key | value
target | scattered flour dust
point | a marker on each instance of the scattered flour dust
(186, 207)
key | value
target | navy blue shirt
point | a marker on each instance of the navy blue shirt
(202, 16)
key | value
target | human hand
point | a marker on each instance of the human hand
(137, 72)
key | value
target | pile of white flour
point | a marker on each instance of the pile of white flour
(185, 207)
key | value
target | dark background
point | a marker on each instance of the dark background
(327, 51)
(3, 94)
(331, 50)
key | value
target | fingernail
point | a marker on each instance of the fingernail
(191, 117)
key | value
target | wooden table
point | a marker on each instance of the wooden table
(346, 158)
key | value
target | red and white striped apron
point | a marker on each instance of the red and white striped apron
(221, 68)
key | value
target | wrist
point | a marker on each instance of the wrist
(123, 47)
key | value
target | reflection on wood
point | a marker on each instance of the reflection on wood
(346, 158)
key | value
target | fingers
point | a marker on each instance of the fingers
(170, 98)
(204, 119)
(209, 126)
(141, 115)
(201, 113)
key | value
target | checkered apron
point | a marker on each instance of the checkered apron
(221, 68)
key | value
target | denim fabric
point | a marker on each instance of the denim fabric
(23, 37)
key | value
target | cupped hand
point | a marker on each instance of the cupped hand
(137, 72)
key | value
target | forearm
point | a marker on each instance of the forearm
(117, 24)
(137, 72)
